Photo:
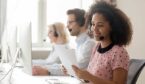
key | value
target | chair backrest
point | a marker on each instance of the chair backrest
(135, 68)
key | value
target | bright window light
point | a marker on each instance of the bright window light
(19, 11)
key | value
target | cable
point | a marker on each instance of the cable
(13, 66)
(6, 74)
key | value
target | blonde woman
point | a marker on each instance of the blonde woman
(58, 36)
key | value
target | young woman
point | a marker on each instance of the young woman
(58, 36)
(109, 61)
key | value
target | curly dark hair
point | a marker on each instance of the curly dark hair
(79, 15)
(121, 33)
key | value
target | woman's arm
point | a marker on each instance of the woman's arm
(119, 76)
(38, 70)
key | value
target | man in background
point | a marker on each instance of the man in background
(76, 25)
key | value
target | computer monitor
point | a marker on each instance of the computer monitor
(25, 46)
(12, 43)
(9, 44)
(4, 46)
(9, 47)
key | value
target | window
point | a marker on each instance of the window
(56, 9)
(19, 11)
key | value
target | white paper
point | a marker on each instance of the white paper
(56, 81)
(68, 58)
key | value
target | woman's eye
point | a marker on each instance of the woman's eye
(100, 25)
(50, 31)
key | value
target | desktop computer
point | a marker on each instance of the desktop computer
(11, 53)
(8, 46)
(25, 45)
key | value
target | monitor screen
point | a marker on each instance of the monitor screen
(25, 45)
(9, 47)
(9, 43)
(4, 46)
(12, 43)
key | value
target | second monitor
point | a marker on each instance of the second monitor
(25, 45)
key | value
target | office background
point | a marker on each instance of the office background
(133, 8)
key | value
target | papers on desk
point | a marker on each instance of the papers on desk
(68, 59)
(55, 81)
(62, 80)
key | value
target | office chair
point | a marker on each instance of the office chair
(135, 68)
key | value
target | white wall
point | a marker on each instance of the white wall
(40, 53)
(135, 10)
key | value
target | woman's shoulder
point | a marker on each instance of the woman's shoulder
(119, 49)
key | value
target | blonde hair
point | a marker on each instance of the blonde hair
(60, 30)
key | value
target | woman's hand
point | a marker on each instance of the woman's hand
(38, 70)
(64, 70)
(81, 73)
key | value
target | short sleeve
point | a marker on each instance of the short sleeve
(120, 59)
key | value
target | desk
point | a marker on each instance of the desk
(19, 77)
(4, 69)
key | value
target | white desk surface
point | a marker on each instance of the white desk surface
(19, 77)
